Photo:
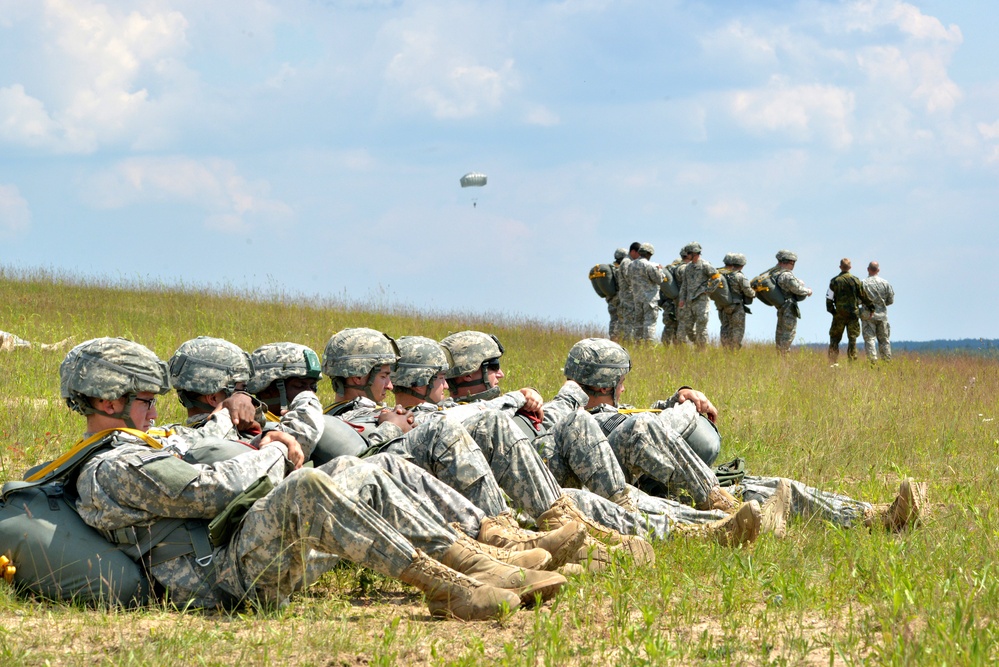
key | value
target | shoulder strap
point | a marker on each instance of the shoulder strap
(81, 451)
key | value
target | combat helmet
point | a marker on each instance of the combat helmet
(420, 359)
(276, 362)
(471, 351)
(786, 256)
(734, 259)
(620, 254)
(355, 353)
(204, 366)
(110, 368)
(646, 250)
(597, 363)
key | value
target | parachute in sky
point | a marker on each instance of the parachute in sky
(473, 180)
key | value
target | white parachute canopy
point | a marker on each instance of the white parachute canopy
(473, 179)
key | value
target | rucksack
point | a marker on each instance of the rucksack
(767, 290)
(603, 280)
(55, 553)
(670, 287)
(722, 294)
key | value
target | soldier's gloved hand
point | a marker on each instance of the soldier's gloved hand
(295, 454)
(701, 402)
(399, 416)
(533, 401)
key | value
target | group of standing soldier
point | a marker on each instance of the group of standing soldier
(681, 290)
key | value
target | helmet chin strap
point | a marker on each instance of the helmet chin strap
(125, 415)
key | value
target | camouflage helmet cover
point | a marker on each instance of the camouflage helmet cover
(647, 249)
(207, 365)
(467, 350)
(281, 361)
(597, 362)
(355, 352)
(694, 247)
(734, 259)
(620, 254)
(420, 359)
(109, 368)
(786, 256)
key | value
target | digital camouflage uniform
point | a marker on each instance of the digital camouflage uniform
(843, 300)
(788, 313)
(733, 317)
(668, 336)
(882, 295)
(645, 278)
(692, 317)
(806, 501)
(613, 303)
(625, 307)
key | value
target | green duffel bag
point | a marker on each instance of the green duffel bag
(60, 557)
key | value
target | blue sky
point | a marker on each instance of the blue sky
(315, 147)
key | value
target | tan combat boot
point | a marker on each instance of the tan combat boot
(467, 556)
(743, 527)
(564, 511)
(532, 559)
(777, 510)
(720, 499)
(503, 531)
(454, 595)
(905, 512)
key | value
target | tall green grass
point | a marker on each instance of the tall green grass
(824, 595)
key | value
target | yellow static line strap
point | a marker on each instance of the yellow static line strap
(634, 411)
(271, 417)
(7, 569)
(87, 442)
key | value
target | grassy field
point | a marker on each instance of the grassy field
(822, 596)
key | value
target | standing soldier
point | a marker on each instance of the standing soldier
(668, 302)
(645, 279)
(692, 305)
(843, 300)
(733, 316)
(882, 295)
(625, 307)
(613, 303)
(794, 290)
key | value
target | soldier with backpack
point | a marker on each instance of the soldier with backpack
(792, 290)
(740, 295)
(699, 278)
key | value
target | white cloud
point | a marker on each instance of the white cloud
(96, 64)
(230, 201)
(543, 116)
(15, 214)
(731, 208)
(989, 131)
(799, 111)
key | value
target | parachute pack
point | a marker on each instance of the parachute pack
(767, 290)
(670, 287)
(52, 551)
(722, 293)
(603, 280)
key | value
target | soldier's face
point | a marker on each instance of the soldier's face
(493, 373)
(295, 386)
(618, 390)
(381, 382)
(143, 410)
(435, 391)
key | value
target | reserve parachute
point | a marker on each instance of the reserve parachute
(603, 280)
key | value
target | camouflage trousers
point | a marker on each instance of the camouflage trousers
(806, 501)
(514, 460)
(733, 325)
(578, 455)
(787, 326)
(692, 321)
(625, 316)
(646, 445)
(356, 511)
(443, 447)
(654, 519)
(646, 311)
(881, 330)
(614, 328)
(668, 336)
(849, 323)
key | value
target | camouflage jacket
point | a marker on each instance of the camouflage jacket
(133, 485)
(623, 281)
(790, 284)
(509, 402)
(845, 295)
(738, 286)
(364, 412)
(697, 279)
(645, 278)
(881, 295)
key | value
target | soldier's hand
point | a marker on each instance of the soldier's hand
(295, 454)
(241, 409)
(533, 401)
(701, 402)
(399, 416)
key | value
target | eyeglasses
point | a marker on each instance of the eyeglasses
(150, 402)
(491, 365)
